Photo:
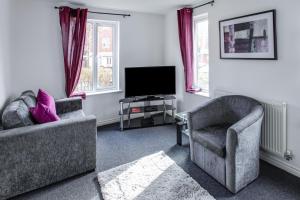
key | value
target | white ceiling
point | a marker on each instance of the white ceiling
(148, 6)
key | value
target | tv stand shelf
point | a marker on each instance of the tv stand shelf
(146, 109)
(154, 115)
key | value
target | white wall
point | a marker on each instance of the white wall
(38, 54)
(4, 52)
(36, 48)
(274, 80)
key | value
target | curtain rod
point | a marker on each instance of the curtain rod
(210, 2)
(105, 13)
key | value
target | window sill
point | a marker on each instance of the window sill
(203, 94)
(103, 92)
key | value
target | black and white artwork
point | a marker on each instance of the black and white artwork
(249, 37)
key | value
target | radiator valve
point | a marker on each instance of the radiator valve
(288, 155)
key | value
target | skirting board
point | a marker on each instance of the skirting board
(114, 120)
(277, 162)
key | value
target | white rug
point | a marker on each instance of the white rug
(152, 177)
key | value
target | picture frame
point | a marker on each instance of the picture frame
(249, 37)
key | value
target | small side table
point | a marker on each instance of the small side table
(181, 126)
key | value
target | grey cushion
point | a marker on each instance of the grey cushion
(29, 98)
(16, 114)
(28, 93)
(72, 115)
(212, 138)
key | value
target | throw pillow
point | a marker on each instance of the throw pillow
(16, 114)
(29, 98)
(44, 98)
(43, 114)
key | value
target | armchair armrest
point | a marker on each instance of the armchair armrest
(242, 150)
(205, 115)
(248, 120)
(68, 105)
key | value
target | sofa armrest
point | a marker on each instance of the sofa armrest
(205, 115)
(38, 155)
(68, 105)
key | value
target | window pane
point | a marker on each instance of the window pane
(202, 55)
(105, 57)
(86, 77)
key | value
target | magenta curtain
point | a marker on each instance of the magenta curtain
(73, 29)
(185, 27)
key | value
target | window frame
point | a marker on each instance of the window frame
(197, 19)
(115, 56)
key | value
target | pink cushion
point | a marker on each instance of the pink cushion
(44, 98)
(43, 114)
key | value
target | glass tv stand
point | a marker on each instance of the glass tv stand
(141, 112)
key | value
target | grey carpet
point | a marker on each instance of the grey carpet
(115, 148)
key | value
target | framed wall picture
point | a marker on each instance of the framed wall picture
(249, 37)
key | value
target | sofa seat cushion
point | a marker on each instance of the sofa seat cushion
(212, 138)
(16, 114)
(72, 115)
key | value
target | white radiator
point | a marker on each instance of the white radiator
(274, 130)
(274, 135)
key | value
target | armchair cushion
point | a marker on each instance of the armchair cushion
(212, 138)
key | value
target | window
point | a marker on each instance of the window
(201, 51)
(100, 70)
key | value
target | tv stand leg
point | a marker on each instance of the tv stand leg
(147, 115)
(165, 112)
(129, 115)
(173, 114)
(121, 117)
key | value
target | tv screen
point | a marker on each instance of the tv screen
(150, 81)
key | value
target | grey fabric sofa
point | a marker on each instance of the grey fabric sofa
(225, 137)
(36, 155)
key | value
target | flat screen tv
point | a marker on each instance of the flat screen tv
(150, 81)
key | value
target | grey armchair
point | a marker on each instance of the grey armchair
(225, 137)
